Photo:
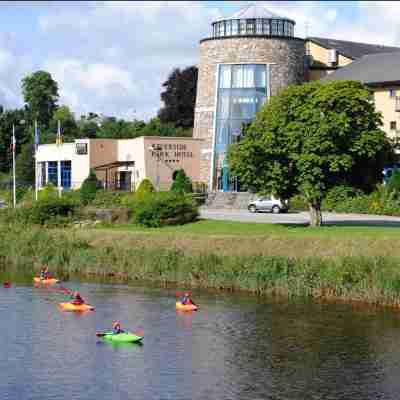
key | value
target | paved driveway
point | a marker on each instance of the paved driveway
(298, 218)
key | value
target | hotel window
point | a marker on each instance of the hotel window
(392, 93)
(235, 28)
(81, 148)
(242, 26)
(393, 125)
(274, 28)
(259, 27)
(250, 26)
(266, 26)
(52, 173)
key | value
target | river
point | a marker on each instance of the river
(234, 347)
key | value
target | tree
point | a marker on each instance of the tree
(308, 139)
(25, 166)
(40, 93)
(179, 97)
(89, 188)
(145, 187)
(182, 183)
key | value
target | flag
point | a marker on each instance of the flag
(59, 140)
(13, 142)
(37, 136)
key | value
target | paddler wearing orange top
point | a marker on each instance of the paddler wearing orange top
(185, 299)
(77, 299)
(44, 273)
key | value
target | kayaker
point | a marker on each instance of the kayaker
(77, 299)
(117, 328)
(185, 299)
(44, 273)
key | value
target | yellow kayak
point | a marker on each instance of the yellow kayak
(76, 307)
(186, 307)
(49, 281)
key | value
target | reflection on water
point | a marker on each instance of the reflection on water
(234, 347)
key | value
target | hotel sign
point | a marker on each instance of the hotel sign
(175, 151)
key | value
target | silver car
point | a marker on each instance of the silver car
(268, 203)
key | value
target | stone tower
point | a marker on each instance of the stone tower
(250, 57)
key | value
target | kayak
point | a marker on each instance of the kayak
(48, 281)
(124, 337)
(76, 307)
(186, 307)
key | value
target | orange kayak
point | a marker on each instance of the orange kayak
(186, 307)
(48, 281)
(76, 307)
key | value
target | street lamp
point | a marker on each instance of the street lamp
(156, 149)
(22, 122)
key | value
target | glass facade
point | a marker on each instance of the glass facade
(52, 173)
(242, 90)
(256, 26)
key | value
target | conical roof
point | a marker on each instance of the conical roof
(254, 11)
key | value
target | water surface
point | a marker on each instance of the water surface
(235, 347)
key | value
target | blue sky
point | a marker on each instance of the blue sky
(112, 57)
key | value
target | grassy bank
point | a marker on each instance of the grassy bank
(218, 255)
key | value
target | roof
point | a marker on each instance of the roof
(254, 11)
(353, 50)
(370, 69)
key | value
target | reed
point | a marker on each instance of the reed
(371, 279)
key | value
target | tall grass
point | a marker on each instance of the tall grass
(369, 279)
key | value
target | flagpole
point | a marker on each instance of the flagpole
(59, 158)
(13, 149)
(36, 172)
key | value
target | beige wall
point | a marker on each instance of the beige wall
(103, 151)
(176, 153)
(386, 105)
(321, 54)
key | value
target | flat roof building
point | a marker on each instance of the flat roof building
(120, 164)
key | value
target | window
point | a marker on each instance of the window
(259, 27)
(392, 93)
(274, 27)
(66, 174)
(52, 173)
(228, 27)
(250, 26)
(266, 27)
(235, 27)
(393, 125)
(81, 148)
(42, 166)
(242, 26)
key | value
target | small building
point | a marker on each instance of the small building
(380, 72)
(120, 164)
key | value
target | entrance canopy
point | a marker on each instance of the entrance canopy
(114, 164)
(113, 181)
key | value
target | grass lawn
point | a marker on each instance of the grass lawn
(237, 238)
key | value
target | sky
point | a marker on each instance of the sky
(112, 57)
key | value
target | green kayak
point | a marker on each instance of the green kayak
(125, 337)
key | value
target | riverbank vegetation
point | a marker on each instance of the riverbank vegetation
(346, 263)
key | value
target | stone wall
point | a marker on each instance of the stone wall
(285, 54)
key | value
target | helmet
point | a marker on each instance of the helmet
(187, 294)
(116, 323)
(76, 293)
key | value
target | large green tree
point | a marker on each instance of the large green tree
(179, 97)
(308, 139)
(40, 93)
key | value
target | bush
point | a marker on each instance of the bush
(108, 199)
(394, 182)
(48, 192)
(144, 188)
(47, 211)
(163, 208)
(298, 203)
(182, 183)
(89, 188)
(338, 195)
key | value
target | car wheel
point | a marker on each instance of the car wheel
(253, 208)
(276, 210)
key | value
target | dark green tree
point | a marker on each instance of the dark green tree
(89, 188)
(179, 97)
(308, 139)
(40, 93)
(25, 166)
(69, 127)
(182, 183)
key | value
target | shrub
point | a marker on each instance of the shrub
(89, 188)
(182, 183)
(163, 208)
(298, 203)
(49, 210)
(394, 182)
(338, 195)
(49, 191)
(144, 188)
(108, 199)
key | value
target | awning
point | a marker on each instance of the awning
(114, 164)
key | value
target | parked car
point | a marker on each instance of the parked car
(268, 203)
